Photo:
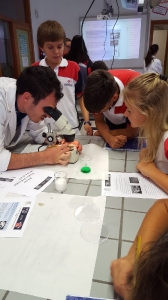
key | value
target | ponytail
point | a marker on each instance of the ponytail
(152, 50)
(148, 58)
(163, 77)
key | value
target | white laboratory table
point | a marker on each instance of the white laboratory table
(123, 217)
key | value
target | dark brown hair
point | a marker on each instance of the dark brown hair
(99, 90)
(151, 273)
(78, 51)
(50, 31)
(97, 65)
(68, 40)
(40, 82)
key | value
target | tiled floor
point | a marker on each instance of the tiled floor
(123, 217)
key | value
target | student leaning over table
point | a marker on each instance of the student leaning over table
(103, 98)
(21, 109)
(146, 99)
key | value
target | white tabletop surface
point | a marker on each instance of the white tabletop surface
(123, 217)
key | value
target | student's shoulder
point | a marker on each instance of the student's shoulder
(125, 75)
(165, 138)
(7, 88)
(36, 63)
(72, 68)
(157, 62)
(124, 72)
(72, 64)
(69, 69)
(166, 148)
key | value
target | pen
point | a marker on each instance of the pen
(137, 252)
(138, 247)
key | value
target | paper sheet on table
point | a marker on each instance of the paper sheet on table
(129, 185)
(52, 259)
(6, 183)
(99, 163)
(28, 182)
(14, 214)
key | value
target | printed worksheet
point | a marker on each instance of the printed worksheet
(14, 214)
(6, 182)
(133, 185)
(27, 182)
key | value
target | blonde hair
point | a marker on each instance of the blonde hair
(50, 31)
(149, 94)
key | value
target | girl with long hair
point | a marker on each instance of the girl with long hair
(79, 54)
(151, 63)
(146, 99)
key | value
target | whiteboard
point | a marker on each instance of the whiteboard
(127, 39)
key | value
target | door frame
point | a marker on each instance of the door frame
(157, 22)
(27, 26)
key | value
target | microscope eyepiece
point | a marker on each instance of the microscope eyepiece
(53, 113)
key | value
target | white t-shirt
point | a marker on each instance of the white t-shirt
(68, 73)
(115, 114)
(154, 67)
(161, 159)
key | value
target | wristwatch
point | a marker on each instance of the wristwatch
(87, 122)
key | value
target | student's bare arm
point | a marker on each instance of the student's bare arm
(154, 225)
(114, 141)
(129, 132)
(151, 171)
(102, 127)
(50, 156)
(85, 115)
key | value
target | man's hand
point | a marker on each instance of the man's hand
(77, 145)
(121, 271)
(57, 155)
(117, 141)
(145, 168)
(88, 129)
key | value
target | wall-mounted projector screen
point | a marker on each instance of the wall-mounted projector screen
(127, 39)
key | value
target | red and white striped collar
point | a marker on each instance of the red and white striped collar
(119, 102)
(63, 63)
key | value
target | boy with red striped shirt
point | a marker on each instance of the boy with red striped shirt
(103, 98)
(51, 40)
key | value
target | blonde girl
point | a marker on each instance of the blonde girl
(146, 99)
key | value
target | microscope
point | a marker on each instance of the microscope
(64, 131)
